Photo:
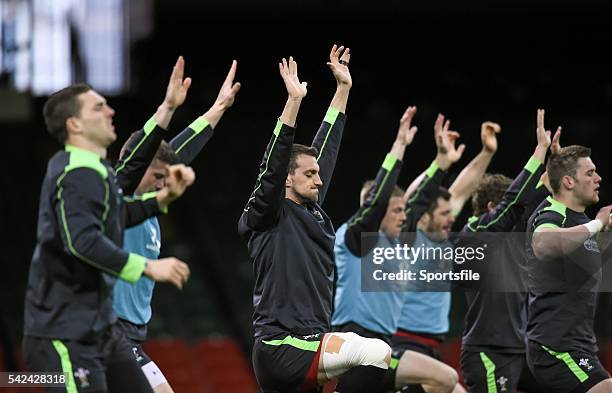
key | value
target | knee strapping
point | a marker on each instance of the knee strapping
(343, 351)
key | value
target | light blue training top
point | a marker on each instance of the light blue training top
(427, 305)
(132, 302)
(375, 311)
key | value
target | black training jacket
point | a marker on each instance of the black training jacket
(496, 318)
(292, 246)
(78, 255)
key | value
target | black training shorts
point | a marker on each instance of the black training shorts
(489, 371)
(281, 363)
(105, 364)
(564, 371)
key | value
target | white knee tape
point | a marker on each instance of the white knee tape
(354, 351)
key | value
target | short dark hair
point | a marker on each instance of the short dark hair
(296, 150)
(60, 106)
(491, 188)
(565, 163)
(369, 184)
(164, 153)
(443, 193)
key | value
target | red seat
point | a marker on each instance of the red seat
(205, 366)
(225, 365)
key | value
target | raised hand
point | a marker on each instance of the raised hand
(555, 146)
(445, 142)
(229, 89)
(454, 153)
(288, 71)
(176, 91)
(406, 132)
(178, 179)
(339, 58)
(542, 134)
(488, 136)
(543, 137)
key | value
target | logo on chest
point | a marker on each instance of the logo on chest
(154, 241)
(591, 245)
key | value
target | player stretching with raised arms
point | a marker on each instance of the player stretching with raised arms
(291, 241)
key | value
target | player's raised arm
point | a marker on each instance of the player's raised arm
(328, 137)
(140, 149)
(262, 208)
(192, 139)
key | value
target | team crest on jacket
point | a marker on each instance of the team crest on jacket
(502, 381)
(82, 375)
(584, 363)
(591, 245)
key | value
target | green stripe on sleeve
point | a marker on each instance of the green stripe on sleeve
(133, 269)
(125, 274)
(145, 197)
(277, 128)
(394, 363)
(106, 205)
(533, 164)
(380, 188)
(150, 125)
(331, 115)
(569, 362)
(62, 351)
(296, 343)
(64, 223)
(471, 221)
(518, 195)
(546, 225)
(148, 195)
(148, 128)
(199, 124)
(390, 160)
(490, 369)
(433, 168)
